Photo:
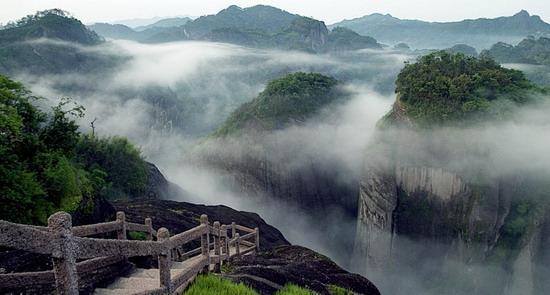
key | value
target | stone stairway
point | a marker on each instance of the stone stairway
(78, 249)
(142, 280)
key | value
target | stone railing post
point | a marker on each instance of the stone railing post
(217, 252)
(233, 230)
(63, 257)
(149, 224)
(205, 242)
(238, 244)
(257, 239)
(121, 233)
(164, 261)
(224, 242)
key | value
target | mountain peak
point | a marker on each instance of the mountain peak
(53, 24)
(522, 13)
(233, 8)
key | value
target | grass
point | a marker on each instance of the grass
(336, 290)
(291, 289)
(136, 235)
(211, 284)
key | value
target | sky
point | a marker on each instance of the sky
(330, 11)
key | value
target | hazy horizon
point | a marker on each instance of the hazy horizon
(329, 11)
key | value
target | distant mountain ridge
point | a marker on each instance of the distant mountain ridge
(480, 33)
(256, 26)
(165, 23)
(529, 51)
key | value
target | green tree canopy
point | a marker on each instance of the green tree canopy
(442, 87)
(46, 164)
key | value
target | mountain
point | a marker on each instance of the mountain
(341, 39)
(431, 200)
(261, 18)
(258, 26)
(115, 31)
(155, 34)
(50, 42)
(464, 49)
(262, 158)
(52, 24)
(532, 56)
(165, 23)
(480, 33)
(529, 51)
(285, 101)
(433, 91)
(137, 22)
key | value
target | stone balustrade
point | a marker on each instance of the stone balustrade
(67, 244)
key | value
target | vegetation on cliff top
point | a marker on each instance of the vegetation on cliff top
(211, 284)
(287, 100)
(443, 87)
(47, 165)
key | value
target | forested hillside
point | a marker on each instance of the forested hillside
(443, 87)
(47, 164)
(287, 100)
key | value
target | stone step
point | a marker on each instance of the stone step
(136, 284)
(145, 273)
(153, 273)
(143, 280)
(109, 291)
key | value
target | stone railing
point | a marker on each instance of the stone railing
(66, 245)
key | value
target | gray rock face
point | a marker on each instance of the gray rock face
(269, 271)
(421, 219)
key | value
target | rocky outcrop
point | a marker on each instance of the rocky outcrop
(271, 270)
(414, 219)
(313, 187)
(178, 217)
(157, 185)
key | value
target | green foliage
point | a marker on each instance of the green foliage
(443, 87)
(45, 165)
(127, 172)
(137, 235)
(290, 99)
(291, 289)
(54, 23)
(22, 50)
(336, 290)
(227, 268)
(210, 284)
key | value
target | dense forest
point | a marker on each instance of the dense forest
(289, 99)
(444, 87)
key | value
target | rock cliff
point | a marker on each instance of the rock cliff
(415, 216)
(435, 211)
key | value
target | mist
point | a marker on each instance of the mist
(510, 154)
(168, 98)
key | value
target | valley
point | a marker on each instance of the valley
(411, 153)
